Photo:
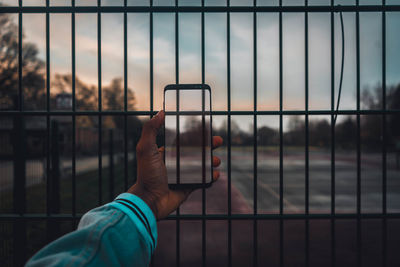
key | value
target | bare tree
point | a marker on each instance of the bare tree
(33, 82)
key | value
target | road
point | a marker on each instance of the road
(320, 177)
(268, 193)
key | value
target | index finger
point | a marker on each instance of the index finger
(217, 141)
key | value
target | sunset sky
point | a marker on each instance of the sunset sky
(216, 52)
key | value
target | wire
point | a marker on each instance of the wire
(342, 69)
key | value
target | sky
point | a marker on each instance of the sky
(241, 52)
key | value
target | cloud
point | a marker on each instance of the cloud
(216, 54)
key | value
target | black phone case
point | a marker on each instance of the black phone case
(191, 87)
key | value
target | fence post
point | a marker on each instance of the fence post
(19, 182)
(111, 165)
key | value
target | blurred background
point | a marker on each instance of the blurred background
(56, 165)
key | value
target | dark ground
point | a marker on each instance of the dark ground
(268, 235)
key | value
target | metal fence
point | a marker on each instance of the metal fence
(20, 218)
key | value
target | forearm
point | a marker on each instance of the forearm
(117, 233)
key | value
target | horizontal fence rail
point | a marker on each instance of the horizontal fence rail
(216, 113)
(318, 216)
(198, 9)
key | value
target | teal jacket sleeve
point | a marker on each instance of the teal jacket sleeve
(120, 233)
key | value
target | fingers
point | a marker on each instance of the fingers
(217, 141)
(216, 161)
(216, 175)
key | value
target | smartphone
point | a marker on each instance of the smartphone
(188, 135)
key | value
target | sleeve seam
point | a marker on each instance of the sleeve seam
(138, 209)
(147, 227)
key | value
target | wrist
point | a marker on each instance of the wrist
(150, 200)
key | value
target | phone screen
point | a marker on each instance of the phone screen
(188, 136)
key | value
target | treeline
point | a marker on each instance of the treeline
(320, 131)
(34, 84)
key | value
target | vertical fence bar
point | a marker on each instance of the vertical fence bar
(73, 115)
(203, 191)
(255, 154)
(100, 128)
(384, 165)
(359, 263)
(125, 97)
(280, 137)
(19, 201)
(19, 198)
(151, 78)
(151, 60)
(333, 259)
(73, 85)
(151, 75)
(20, 92)
(49, 191)
(307, 138)
(178, 172)
(228, 56)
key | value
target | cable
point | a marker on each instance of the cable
(342, 68)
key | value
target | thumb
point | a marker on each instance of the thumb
(150, 128)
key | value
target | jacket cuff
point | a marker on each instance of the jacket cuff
(140, 213)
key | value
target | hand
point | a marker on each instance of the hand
(152, 181)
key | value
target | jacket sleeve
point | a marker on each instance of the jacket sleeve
(120, 233)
